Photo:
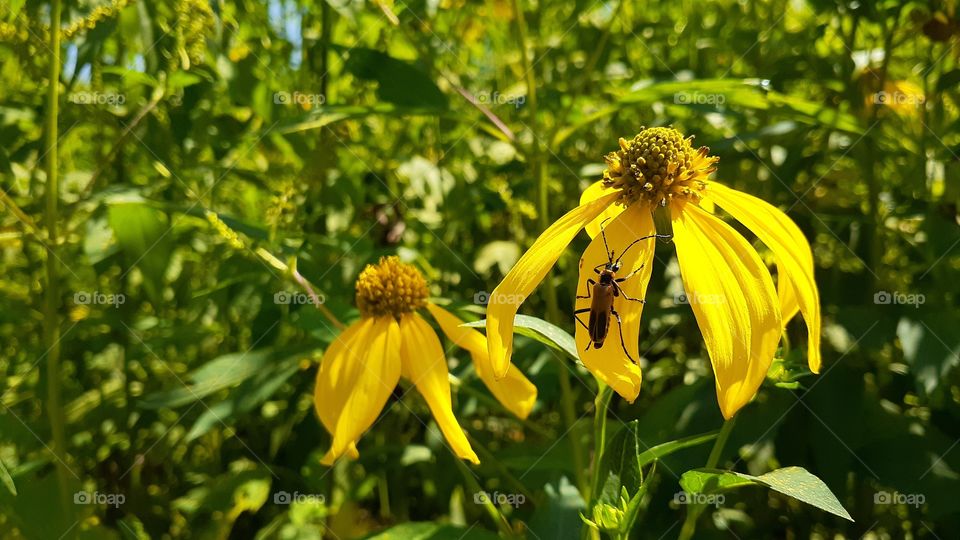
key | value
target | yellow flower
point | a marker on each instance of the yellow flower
(363, 365)
(731, 292)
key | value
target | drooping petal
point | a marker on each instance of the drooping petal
(797, 288)
(357, 374)
(732, 296)
(529, 271)
(328, 398)
(610, 363)
(514, 391)
(592, 193)
(789, 304)
(425, 365)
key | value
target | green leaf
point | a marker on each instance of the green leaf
(794, 482)
(222, 372)
(800, 484)
(712, 481)
(559, 518)
(243, 398)
(141, 231)
(665, 449)
(330, 114)
(540, 330)
(626, 455)
(620, 465)
(398, 82)
(930, 347)
(7, 479)
(431, 531)
(218, 501)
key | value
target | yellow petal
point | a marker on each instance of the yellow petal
(529, 271)
(592, 193)
(789, 305)
(707, 205)
(797, 287)
(732, 296)
(609, 362)
(514, 391)
(329, 397)
(357, 375)
(425, 365)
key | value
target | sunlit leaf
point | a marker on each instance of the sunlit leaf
(795, 482)
(542, 331)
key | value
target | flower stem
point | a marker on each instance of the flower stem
(51, 317)
(694, 510)
(601, 404)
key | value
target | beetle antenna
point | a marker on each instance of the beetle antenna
(622, 253)
(605, 246)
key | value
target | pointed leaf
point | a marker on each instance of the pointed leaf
(662, 450)
(7, 479)
(794, 482)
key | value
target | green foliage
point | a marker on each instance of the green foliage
(224, 165)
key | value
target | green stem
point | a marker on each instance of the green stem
(601, 404)
(694, 510)
(568, 411)
(51, 318)
(503, 525)
(720, 443)
(487, 458)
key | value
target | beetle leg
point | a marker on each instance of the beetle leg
(590, 284)
(630, 275)
(579, 311)
(583, 324)
(620, 327)
(619, 292)
(596, 269)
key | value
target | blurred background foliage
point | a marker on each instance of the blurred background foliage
(217, 156)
